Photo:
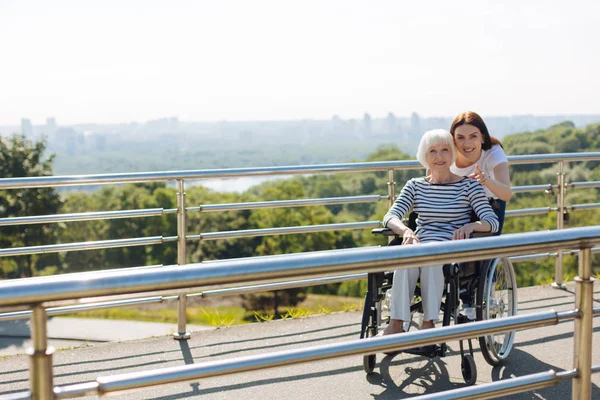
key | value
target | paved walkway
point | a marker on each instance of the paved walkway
(72, 332)
(400, 376)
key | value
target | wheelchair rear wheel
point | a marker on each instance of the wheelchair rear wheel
(497, 297)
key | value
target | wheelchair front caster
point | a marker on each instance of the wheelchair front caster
(468, 369)
(369, 363)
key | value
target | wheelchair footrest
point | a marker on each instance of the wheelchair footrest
(426, 351)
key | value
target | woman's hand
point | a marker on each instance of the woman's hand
(479, 175)
(409, 237)
(463, 232)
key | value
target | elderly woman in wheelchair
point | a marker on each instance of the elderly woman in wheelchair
(444, 203)
(445, 207)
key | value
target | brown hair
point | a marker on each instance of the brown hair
(472, 118)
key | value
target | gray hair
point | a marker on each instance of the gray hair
(432, 138)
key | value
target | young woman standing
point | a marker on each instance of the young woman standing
(481, 157)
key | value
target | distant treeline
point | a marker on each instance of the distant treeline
(170, 144)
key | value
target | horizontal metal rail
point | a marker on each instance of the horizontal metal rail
(532, 188)
(583, 185)
(287, 203)
(284, 230)
(95, 245)
(553, 158)
(398, 342)
(153, 212)
(52, 311)
(163, 176)
(104, 244)
(282, 285)
(535, 257)
(249, 271)
(589, 206)
(88, 216)
(504, 387)
(529, 211)
(233, 290)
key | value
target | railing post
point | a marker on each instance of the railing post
(391, 188)
(391, 193)
(584, 298)
(560, 200)
(40, 357)
(181, 260)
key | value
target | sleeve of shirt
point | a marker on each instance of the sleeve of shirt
(481, 206)
(403, 203)
(496, 156)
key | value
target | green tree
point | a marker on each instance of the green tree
(20, 157)
(285, 244)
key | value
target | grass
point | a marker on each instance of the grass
(213, 316)
(227, 316)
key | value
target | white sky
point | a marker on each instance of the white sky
(121, 61)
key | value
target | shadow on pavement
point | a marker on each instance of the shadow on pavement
(520, 363)
(300, 332)
(258, 383)
(14, 333)
(411, 376)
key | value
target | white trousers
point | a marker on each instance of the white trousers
(403, 289)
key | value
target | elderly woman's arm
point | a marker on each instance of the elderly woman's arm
(398, 227)
(465, 231)
(488, 221)
(393, 218)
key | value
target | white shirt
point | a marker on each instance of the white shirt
(487, 162)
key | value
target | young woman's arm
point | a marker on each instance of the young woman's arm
(500, 185)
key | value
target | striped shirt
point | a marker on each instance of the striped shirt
(442, 208)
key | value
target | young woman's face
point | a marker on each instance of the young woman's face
(468, 140)
(439, 157)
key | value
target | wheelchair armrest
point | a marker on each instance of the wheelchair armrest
(480, 234)
(383, 231)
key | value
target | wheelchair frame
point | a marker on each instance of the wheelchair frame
(472, 283)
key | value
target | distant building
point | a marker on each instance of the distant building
(50, 125)
(26, 127)
(69, 140)
(391, 124)
(367, 125)
(415, 123)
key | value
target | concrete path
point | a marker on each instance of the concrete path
(72, 332)
(399, 376)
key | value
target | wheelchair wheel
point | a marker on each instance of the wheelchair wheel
(468, 369)
(370, 360)
(497, 297)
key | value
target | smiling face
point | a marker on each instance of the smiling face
(439, 157)
(468, 140)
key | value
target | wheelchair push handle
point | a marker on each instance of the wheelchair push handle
(383, 231)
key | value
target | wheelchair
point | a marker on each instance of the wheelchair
(473, 291)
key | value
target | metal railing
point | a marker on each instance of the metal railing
(182, 210)
(37, 292)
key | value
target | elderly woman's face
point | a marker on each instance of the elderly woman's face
(439, 157)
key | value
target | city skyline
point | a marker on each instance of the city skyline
(111, 62)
